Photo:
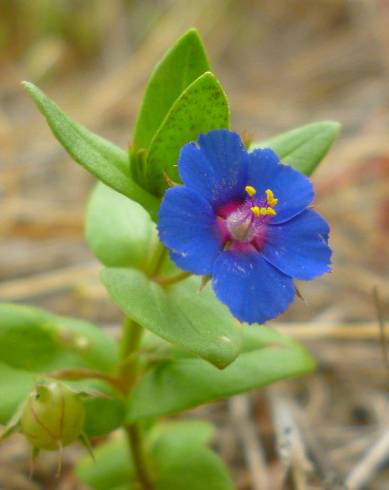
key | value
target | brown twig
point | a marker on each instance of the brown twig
(58, 280)
(381, 324)
(248, 433)
(80, 373)
(364, 471)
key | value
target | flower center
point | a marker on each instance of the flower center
(240, 225)
(245, 223)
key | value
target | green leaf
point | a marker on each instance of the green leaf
(101, 158)
(201, 107)
(34, 343)
(119, 231)
(103, 415)
(185, 463)
(180, 314)
(178, 454)
(174, 385)
(303, 148)
(112, 469)
(198, 432)
(180, 66)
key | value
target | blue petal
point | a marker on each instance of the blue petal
(299, 247)
(187, 227)
(216, 168)
(252, 288)
(293, 190)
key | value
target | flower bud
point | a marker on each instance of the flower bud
(53, 416)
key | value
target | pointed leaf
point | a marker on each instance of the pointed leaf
(180, 314)
(180, 66)
(201, 107)
(303, 148)
(175, 385)
(101, 158)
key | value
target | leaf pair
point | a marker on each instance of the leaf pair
(182, 99)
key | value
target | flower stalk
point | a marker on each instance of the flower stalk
(128, 371)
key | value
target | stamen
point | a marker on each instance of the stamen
(267, 212)
(256, 210)
(263, 211)
(251, 191)
(270, 212)
(271, 200)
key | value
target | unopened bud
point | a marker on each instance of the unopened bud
(53, 416)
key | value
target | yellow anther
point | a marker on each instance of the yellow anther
(266, 212)
(255, 210)
(271, 212)
(271, 200)
(250, 190)
(263, 211)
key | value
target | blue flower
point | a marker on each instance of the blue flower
(244, 219)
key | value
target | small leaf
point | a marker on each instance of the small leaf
(177, 452)
(196, 432)
(119, 231)
(34, 343)
(101, 158)
(112, 468)
(185, 462)
(180, 66)
(175, 385)
(303, 148)
(201, 107)
(180, 314)
(103, 415)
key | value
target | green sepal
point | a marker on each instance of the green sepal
(303, 148)
(84, 440)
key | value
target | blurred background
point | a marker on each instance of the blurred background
(283, 64)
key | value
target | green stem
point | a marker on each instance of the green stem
(168, 281)
(129, 347)
(82, 373)
(135, 441)
(161, 256)
(131, 337)
(128, 372)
